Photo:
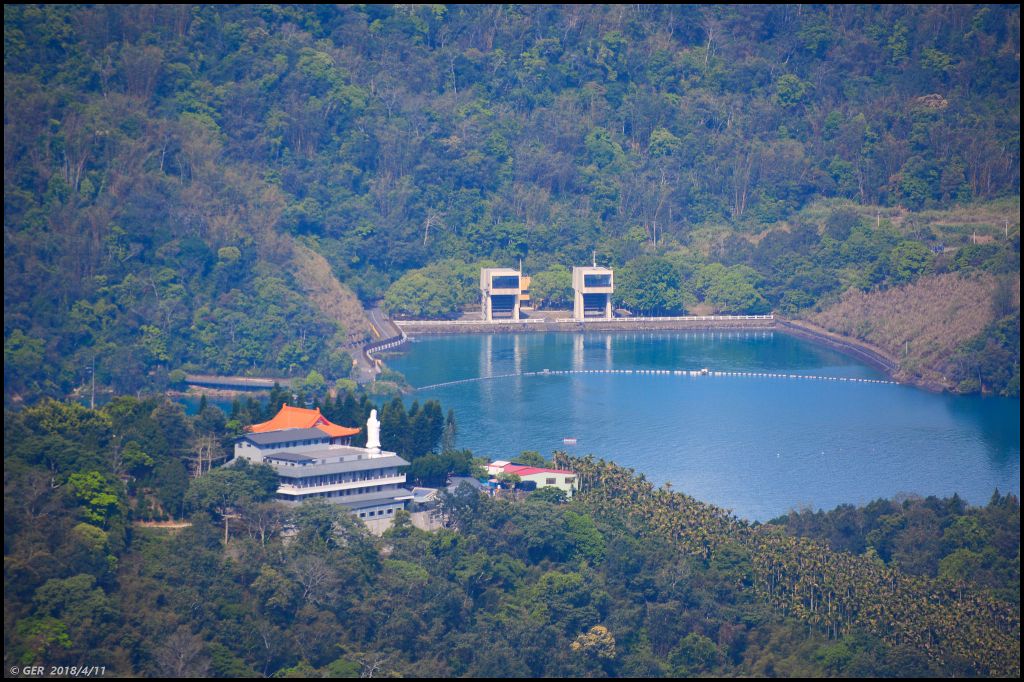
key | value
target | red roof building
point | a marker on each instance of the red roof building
(523, 470)
(301, 418)
(558, 478)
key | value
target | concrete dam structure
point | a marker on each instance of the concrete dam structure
(592, 292)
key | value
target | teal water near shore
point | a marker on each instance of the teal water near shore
(759, 446)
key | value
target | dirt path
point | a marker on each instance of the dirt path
(162, 524)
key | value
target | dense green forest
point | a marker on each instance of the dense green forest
(167, 166)
(624, 580)
(928, 537)
(207, 188)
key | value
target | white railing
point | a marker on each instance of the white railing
(416, 323)
(684, 318)
(347, 485)
(394, 342)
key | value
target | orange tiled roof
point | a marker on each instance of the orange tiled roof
(301, 418)
(335, 431)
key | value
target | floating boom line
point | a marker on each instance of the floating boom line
(701, 373)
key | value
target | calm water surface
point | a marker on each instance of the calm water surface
(758, 446)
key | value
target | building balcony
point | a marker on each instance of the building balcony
(293, 489)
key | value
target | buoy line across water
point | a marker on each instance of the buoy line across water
(658, 372)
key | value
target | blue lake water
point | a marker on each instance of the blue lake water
(759, 446)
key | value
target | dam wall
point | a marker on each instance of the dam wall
(631, 324)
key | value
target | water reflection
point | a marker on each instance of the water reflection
(758, 445)
(997, 421)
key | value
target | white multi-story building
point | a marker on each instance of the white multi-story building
(313, 458)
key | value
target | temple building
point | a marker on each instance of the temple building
(314, 458)
(300, 418)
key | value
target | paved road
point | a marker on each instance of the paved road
(384, 327)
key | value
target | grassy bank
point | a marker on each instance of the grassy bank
(929, 326)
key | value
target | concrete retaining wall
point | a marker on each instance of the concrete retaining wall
(851, 347)
(694, 323)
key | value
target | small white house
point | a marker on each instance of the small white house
(544, 478)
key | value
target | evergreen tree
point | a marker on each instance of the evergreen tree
(395, 433)
(449, 433)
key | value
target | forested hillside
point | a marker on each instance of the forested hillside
(161, 162)
(625, 580)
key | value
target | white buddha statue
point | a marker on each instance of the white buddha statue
(373, 433)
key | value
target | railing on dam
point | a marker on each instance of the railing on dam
(683, 318)
(586, 320)
(420, 323)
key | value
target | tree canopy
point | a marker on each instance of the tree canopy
(168, 170)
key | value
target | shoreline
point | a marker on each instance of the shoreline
(860, 350)
(851, 347)
(855, 348)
